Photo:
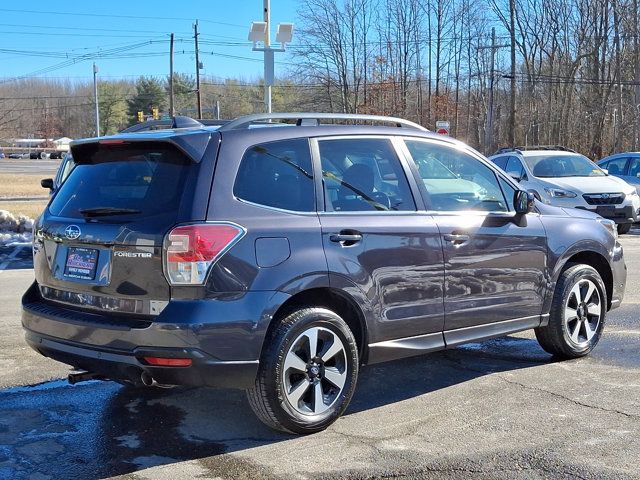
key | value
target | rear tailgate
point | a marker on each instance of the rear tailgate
(99, 243)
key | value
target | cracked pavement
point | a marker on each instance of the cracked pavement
(502, 409)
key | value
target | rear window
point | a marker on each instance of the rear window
(123, 181)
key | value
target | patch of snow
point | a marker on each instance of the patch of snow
(15, 230)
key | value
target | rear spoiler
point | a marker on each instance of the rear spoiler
(192, 143)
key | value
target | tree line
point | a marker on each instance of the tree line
(564, 72)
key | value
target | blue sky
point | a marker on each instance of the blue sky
(132, 36)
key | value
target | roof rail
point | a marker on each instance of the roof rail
(507, 149)
(546, 147)
(264, 118)
(534, 147)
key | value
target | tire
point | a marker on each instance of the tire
(624, 228)
(284, 394)
(581, 289)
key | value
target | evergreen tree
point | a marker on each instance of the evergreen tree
(149, 94)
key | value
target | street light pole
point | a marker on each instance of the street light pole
(259, 32)
(95, 95)
(268, 58)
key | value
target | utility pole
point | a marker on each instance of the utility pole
(95, 96)
(488, 131)
(268, 58)
(172, 111)
(195, 36)
(512, 107)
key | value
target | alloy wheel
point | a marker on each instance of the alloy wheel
(582, 312)
(314, 371)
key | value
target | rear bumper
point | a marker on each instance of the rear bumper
(129, 366)
(619, 214)
(223, 337)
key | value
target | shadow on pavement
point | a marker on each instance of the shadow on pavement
(101, 429)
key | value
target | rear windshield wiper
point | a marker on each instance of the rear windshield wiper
(105, 211)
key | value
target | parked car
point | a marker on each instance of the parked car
(625, 166)
(65, 168)
(561, 177)
(57, 155)
(281, 260)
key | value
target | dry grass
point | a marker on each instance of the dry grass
(21, 185)
(30, 209)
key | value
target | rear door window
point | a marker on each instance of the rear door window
(514, 167)
(501, 161)
(139, 180)
(277, 174)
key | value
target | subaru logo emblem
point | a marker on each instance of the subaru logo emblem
(605, 195)
(72, 232)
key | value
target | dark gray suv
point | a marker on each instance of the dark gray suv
(281, 257)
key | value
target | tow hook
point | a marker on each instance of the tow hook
(77, 377)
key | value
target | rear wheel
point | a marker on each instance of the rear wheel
(624, 228)
(577, 313)
(307, 373)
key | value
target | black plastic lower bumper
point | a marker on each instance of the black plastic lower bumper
(618, 214)
(128, 366)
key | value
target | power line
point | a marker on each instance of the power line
(57, 27)
(109, 15)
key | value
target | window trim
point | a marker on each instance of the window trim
(472, 153)
(319, 178)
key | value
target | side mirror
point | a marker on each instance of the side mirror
(47, 183)
(523, 202)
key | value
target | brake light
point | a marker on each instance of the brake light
(190, 250)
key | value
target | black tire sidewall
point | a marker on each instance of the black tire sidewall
(574, 275)
(290, 418)
(624, 228)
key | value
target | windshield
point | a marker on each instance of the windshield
(141, 180)
(547, 166)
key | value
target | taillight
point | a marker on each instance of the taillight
(190, 250)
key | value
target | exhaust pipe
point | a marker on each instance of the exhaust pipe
(77, 377)
(149, 381)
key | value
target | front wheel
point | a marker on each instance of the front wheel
(307, 374)
(577, 313)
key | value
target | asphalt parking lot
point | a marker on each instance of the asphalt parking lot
(22, 165)
(503, 409)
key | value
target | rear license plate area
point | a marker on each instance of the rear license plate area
(81, 263)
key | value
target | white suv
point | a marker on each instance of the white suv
(561, 177)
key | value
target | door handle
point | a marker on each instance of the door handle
(456, 239)
(345, 239)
